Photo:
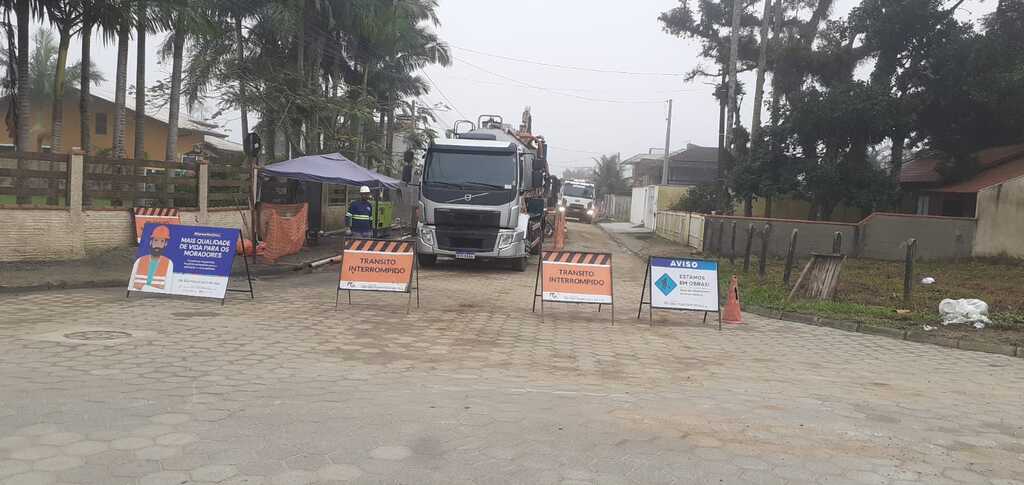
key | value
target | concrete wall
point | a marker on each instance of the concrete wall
(879, 236)
(104, 230)
(33, 235)
(814, 236)
(790, 208)
(884, 236)
(1001, 220)
(668, 195)
(49, 235)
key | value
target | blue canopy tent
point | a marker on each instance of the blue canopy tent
(332, 168)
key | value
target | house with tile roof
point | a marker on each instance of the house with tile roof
(194, 136)
(932, 193)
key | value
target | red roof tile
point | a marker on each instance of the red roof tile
(993, 176)
(925, 170)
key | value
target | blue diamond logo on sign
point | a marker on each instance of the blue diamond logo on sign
(665, 284)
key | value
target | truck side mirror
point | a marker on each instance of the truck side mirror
(538, 179)
(535, 206)
(407, 173)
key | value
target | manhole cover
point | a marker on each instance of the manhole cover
(92, 335)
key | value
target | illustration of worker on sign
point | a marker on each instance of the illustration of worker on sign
(153, 272)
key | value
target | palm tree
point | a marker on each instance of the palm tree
(66, 16)
(42, 66)
(608, 176)
(140, 80)
(22, 11)
(96, 13)
(186, 19)
(123, 27)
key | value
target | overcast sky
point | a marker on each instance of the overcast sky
(581, 113)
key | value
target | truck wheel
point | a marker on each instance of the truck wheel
(520, 264)
(427, 260)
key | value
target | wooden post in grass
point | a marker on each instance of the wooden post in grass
(732, 245)
(789, 256)
(721, 238)
(837, 243)
(762, 265)
(705, 245)
(908, 271)
(746, 252)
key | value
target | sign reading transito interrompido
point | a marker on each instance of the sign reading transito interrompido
(377, 265)
(576, 277)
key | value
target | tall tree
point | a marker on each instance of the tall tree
(97, 14)
(66, 17)
(762, 67)
(22, 11)
(141, 27)
(607, 176)
(174, 108)
(124, 28)
(734, 53)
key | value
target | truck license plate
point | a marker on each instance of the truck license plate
(465, 255)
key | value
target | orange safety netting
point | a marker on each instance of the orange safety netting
(283, 227)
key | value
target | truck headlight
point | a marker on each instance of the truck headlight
(590, 212)
(507, 239)
(427, 235)
(561, 208)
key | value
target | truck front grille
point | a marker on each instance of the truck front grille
(451, 239)
(467, 218)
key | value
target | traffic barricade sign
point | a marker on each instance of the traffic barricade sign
(378, 265)
(156, 215)
(681, 284)
(574, 277)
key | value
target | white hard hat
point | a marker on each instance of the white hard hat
(364, 190)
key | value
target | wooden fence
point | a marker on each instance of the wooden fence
(43, 180)
(113, 182)
(34, 179)
(229, 184)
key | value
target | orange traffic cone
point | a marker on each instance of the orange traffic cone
(732, 304)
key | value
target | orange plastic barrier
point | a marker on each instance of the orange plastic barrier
(560, 229)
(284, 230)
(732, 313)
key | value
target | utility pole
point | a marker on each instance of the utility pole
(668, 141)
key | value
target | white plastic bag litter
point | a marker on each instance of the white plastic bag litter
(964, 311)
(927, 280)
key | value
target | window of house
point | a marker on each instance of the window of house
(101, 123)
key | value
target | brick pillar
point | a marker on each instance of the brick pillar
(204, 192)
(76, 188)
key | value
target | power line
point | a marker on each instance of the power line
(496, 83)
(445, 96)
(551, 147)
(570, 68)
(541, 88)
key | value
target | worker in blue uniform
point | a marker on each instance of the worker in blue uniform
(360, 214)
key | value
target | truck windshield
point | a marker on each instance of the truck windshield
(582, 191)
(488, 170)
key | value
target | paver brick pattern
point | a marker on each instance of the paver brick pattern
(473, 388)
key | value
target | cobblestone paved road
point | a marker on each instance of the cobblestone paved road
(473, 388)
